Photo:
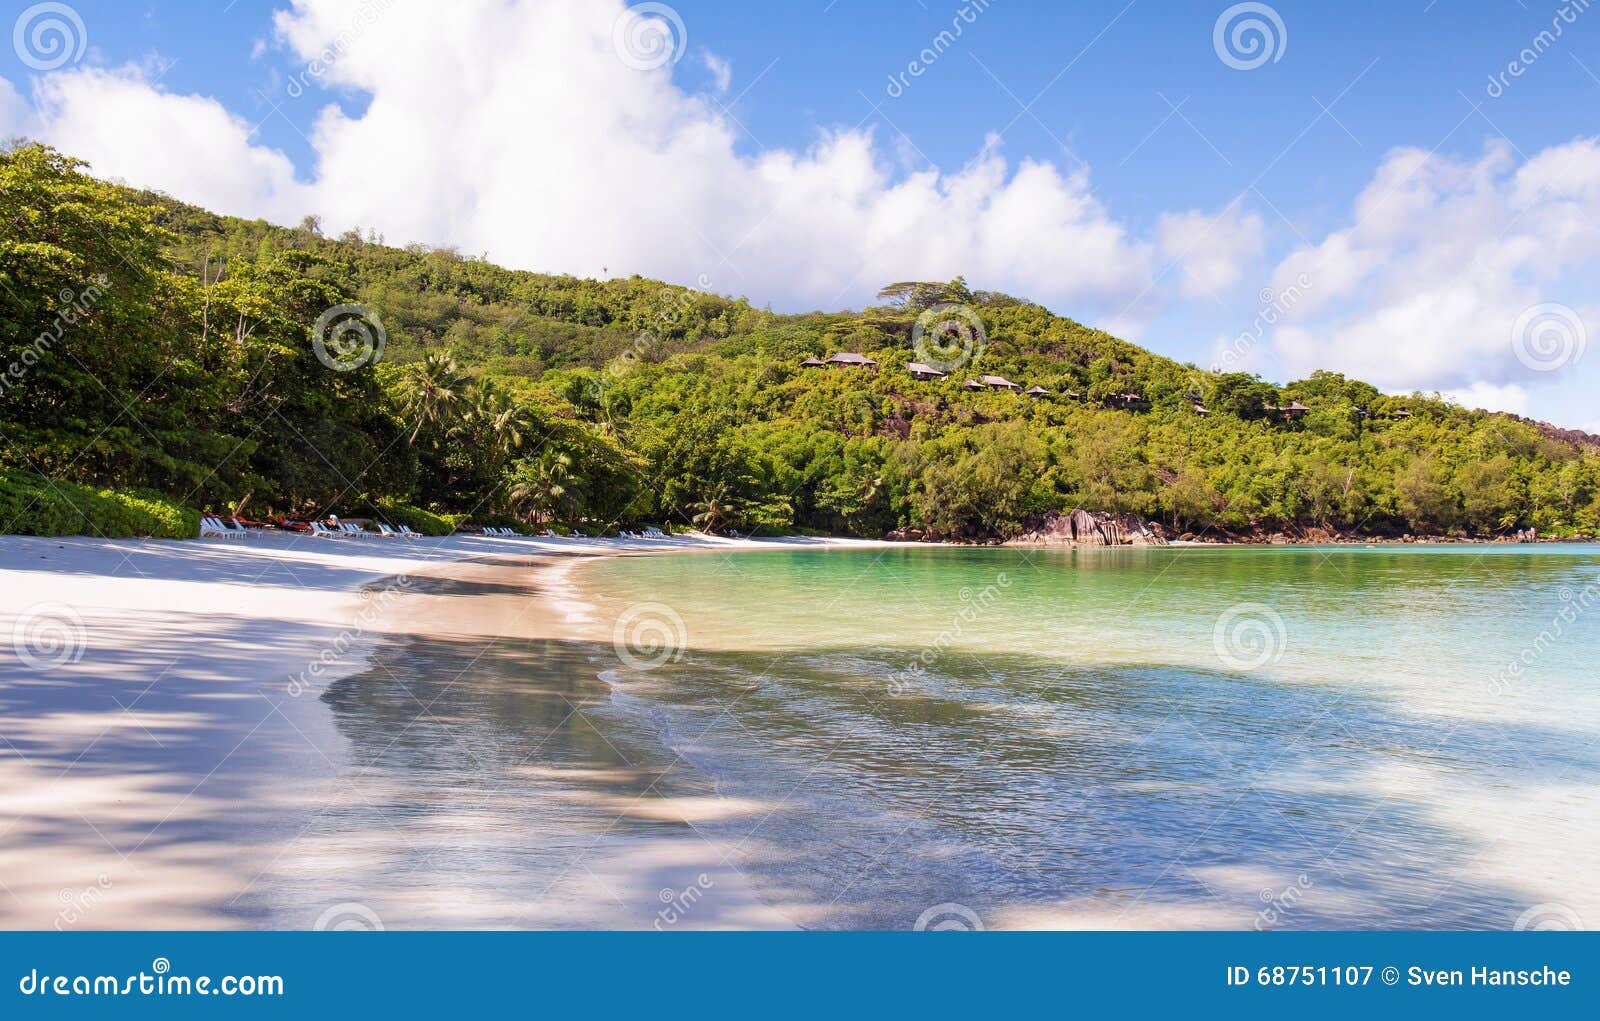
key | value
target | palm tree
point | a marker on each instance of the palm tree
(495, 424)
(541, 484)
(431, 389)
(714, 510)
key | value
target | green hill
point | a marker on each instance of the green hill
(149, 344)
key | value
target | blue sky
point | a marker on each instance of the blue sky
(1132, 95)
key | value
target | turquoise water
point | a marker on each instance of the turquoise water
(1292, 737)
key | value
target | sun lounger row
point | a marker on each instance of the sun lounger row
(648, 533)
(323, 531)
(212, 526)
(501, 532)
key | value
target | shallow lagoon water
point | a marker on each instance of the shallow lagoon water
(1296, 737)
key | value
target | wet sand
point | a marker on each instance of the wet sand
(284, 732)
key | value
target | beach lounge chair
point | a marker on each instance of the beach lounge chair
(487, 530)
(549, 534)
(349, 529)
(384, 531)
(405, 530)
(322, 531)
(210, 526)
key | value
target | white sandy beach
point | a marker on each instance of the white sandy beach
(159, 698)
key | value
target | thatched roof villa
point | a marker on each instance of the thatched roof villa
(1126, 401)
(851, 360)
(998, 383)
(919, 370)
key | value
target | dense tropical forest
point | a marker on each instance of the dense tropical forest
(157, 360)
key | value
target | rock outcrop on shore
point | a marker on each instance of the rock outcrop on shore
(1087, 528)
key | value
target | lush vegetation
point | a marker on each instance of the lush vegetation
(146, 343)
(34, 505)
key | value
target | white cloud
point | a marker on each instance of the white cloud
(13, 111)
(188, 146)
(721, 70)
(1491, 397)
(513, 128)
(1428, 284)
(1209, 252)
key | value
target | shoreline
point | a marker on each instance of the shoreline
(256, 733)
(163, 706)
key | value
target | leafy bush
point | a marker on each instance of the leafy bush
(426, 522)
(34, 505)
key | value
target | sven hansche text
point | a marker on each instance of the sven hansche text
(1486, 976)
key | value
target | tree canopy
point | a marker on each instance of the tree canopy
(148, 343)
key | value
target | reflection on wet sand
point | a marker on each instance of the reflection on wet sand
(488, 788)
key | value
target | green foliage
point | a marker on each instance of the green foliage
(508, 396)
(34, 505)
(419, 520)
